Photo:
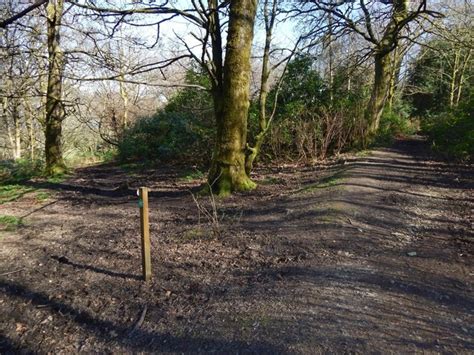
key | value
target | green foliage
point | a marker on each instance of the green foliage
(395, 122)
(313, 119)
(42, 196)
(13, 192)
(166, 136)
(193, 175)
(183, 130)
(14, 171)
(452, 132)
(9, 223)
(443, 78)
(432, 74)
(14, 174)
(302, 87)
(57, 179)
(80, 158)
(193, 101)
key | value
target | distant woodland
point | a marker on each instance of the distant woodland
(225, 85)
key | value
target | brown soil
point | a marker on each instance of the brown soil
(318, 259)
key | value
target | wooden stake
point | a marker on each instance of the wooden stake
(145, 229)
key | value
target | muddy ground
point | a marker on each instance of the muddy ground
(366, 254)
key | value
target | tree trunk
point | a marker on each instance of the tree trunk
(11, 139)
(379, 94)
(54, 107)
(462, 76)
(216, 68)
(124, 95)
(394, 74)
(452, 90)
(331, 59)
(227, 173)
(31, 127)
(382, 59)
(17, 132)
(264, 122)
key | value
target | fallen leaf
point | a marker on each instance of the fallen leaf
(21, 328)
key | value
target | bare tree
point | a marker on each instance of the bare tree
(381, 24)
(265, 118)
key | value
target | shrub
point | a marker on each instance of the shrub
(452, 133)
(183, 130)
(316, 134)
(166, 136)
(392, 125)
(13, 171)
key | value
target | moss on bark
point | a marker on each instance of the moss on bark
(227, 173)
(380, 91)
(379, 94)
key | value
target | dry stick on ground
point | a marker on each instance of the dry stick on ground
(12, 272)
(139, 322)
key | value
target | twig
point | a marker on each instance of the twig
(12, 272)
(139, 322)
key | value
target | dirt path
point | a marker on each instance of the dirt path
(373, 254)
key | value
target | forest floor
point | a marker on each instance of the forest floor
(372, 253)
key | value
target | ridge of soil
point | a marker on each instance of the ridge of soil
(367, 254)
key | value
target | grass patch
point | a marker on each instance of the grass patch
(190, 176)
(80, 158)
(13, 192)
(57, 179)
(15, 172)
(196, 234)
(10, 223)
(362, 153)
(42, 196)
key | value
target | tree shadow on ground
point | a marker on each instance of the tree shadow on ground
(66, 261)
(138, 340)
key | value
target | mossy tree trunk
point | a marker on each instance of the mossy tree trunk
(383, 65)
(397, 58)
(54, 106)
(379, 94)
(227, 173)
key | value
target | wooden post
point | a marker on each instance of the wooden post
(145, 230)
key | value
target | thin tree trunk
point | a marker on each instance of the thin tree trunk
(17, 133)
(217, 67)
(452, 91)
(395, 72)
(462, 76)
(54, 108)
(5, 104)
(227, 171)
(264, 123)
(124, 95)
(331, 59)
(31, 128)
